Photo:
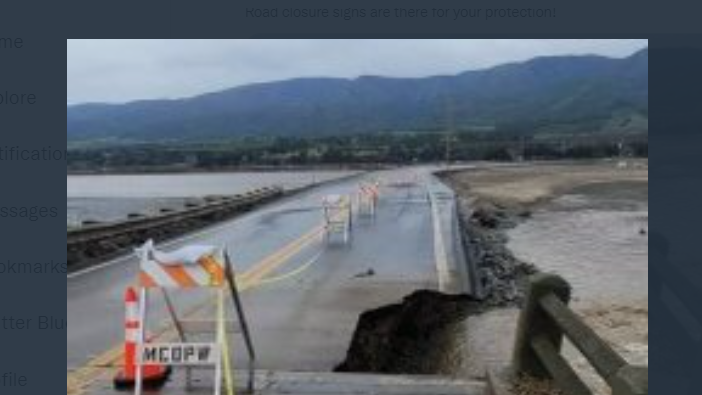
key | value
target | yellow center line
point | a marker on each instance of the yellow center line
(253, 278)
(109, 361)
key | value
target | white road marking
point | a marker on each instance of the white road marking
(440, 253)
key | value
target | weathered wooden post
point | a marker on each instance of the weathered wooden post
(534, 323)
(545, 321)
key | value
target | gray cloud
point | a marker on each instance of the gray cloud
(123, 70)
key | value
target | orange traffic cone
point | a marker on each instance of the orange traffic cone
(153, 376)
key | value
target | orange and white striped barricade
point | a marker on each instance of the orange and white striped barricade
(190, 268)
(337, 212)
(367, 200)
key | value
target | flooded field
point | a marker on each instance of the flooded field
(111, 197)
(594, 231)
(597, 237)
(587, 222)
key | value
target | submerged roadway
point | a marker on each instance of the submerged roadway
(306, 294)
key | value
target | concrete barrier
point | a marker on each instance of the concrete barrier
(544, 322)
(97, 242)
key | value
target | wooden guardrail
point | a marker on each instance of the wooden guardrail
(95, 242)
(544, 322)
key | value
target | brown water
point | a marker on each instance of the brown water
(594, 239)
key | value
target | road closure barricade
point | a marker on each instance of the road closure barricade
(190, 268)
(367, 200)
(338, 222)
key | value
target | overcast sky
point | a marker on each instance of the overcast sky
(124, 70)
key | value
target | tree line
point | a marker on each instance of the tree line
(384, 148)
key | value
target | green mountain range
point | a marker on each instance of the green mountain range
(567, 94)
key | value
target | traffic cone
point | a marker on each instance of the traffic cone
(153, 376)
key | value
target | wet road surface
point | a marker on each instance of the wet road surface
(305, 322)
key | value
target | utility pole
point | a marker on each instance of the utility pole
(449, 131)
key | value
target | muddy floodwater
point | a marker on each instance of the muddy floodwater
(597, 238)
(112, 197)
(587, 222)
